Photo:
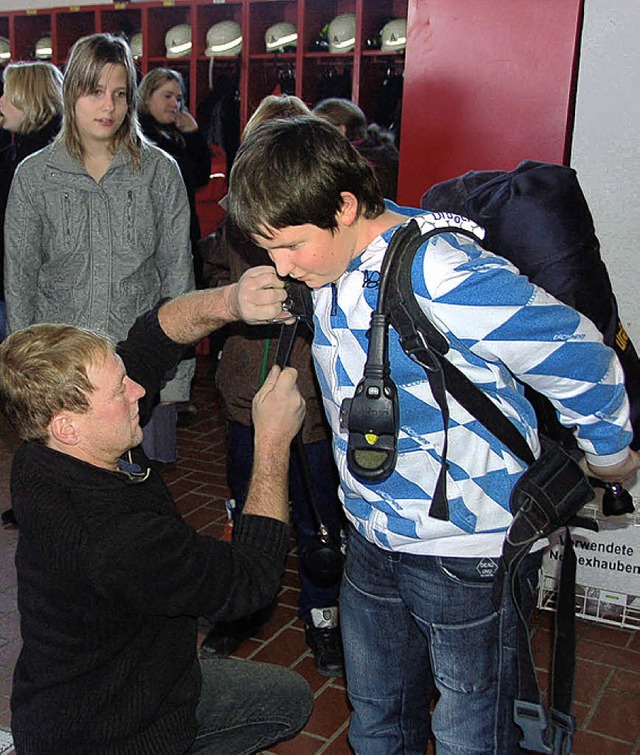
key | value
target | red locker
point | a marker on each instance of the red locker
(487, 83)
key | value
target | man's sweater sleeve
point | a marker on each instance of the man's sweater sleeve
(148, 355)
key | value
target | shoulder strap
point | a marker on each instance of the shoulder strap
(422, 341)
(424, 344)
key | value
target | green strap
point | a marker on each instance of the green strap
(265, 360)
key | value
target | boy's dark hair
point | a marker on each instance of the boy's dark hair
(292, 172)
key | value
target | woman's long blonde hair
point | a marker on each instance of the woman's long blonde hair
(36, 89)
(88, 56)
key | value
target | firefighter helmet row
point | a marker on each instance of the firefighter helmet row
(43, 49)
(341, 34)
(225, 37)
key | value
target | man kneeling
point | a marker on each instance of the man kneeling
(111, 580)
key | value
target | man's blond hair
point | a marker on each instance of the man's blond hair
(44, 370)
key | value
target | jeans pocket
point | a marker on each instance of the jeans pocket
(465, 656)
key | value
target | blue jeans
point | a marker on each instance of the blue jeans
(324, 476)
(415, 627)
(246, 706)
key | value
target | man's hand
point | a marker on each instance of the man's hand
(258, 296)
(278, 408)
(277, 411)
(618, 472)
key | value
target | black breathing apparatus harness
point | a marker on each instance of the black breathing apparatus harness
(546, 498)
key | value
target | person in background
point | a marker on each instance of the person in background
(111, 579)
(247, 356)
(30, 110)
(373, 142)
(418, 619)
(97, 224)
(166, 122)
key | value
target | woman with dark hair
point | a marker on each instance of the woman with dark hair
(166, 122)
(372, 142)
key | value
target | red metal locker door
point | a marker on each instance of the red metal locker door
(488, 83)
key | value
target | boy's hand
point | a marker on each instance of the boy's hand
(278, 409)
(258, 296)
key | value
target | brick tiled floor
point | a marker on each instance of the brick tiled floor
(608, 678)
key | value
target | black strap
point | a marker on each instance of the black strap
(423, 343)
(564, 657)
(285, 343)
(283, 353)
(555, 734)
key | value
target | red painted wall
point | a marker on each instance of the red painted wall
(488, 83)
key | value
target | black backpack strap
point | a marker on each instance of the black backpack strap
(541, 515)
(555, 733)
(425, 345)
(420, 340)
(322, 558)
(285, 343)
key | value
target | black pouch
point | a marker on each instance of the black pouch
(547, 496)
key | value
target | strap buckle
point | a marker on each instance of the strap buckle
(532, 719)
(562, 728)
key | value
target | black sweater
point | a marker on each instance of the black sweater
(191, 151)
(111, 581)
(10, 157)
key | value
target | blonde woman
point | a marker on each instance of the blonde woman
(166, 122)
(30, 110)
(97, 226)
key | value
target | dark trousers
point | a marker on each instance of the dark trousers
(324, 478)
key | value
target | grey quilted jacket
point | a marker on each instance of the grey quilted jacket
(97, 255)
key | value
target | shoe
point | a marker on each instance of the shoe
(187, 414)
(227, 636)
(323, 638)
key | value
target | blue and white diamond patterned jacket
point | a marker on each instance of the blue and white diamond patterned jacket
(501, 330)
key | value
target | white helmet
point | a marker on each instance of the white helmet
(44, 48)
(394, 35)
(342, 33)
(178, 41)
(224, 38)
(5, 49)
(136, 45)
(281, 37)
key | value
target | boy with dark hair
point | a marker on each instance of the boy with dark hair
(416, 602)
